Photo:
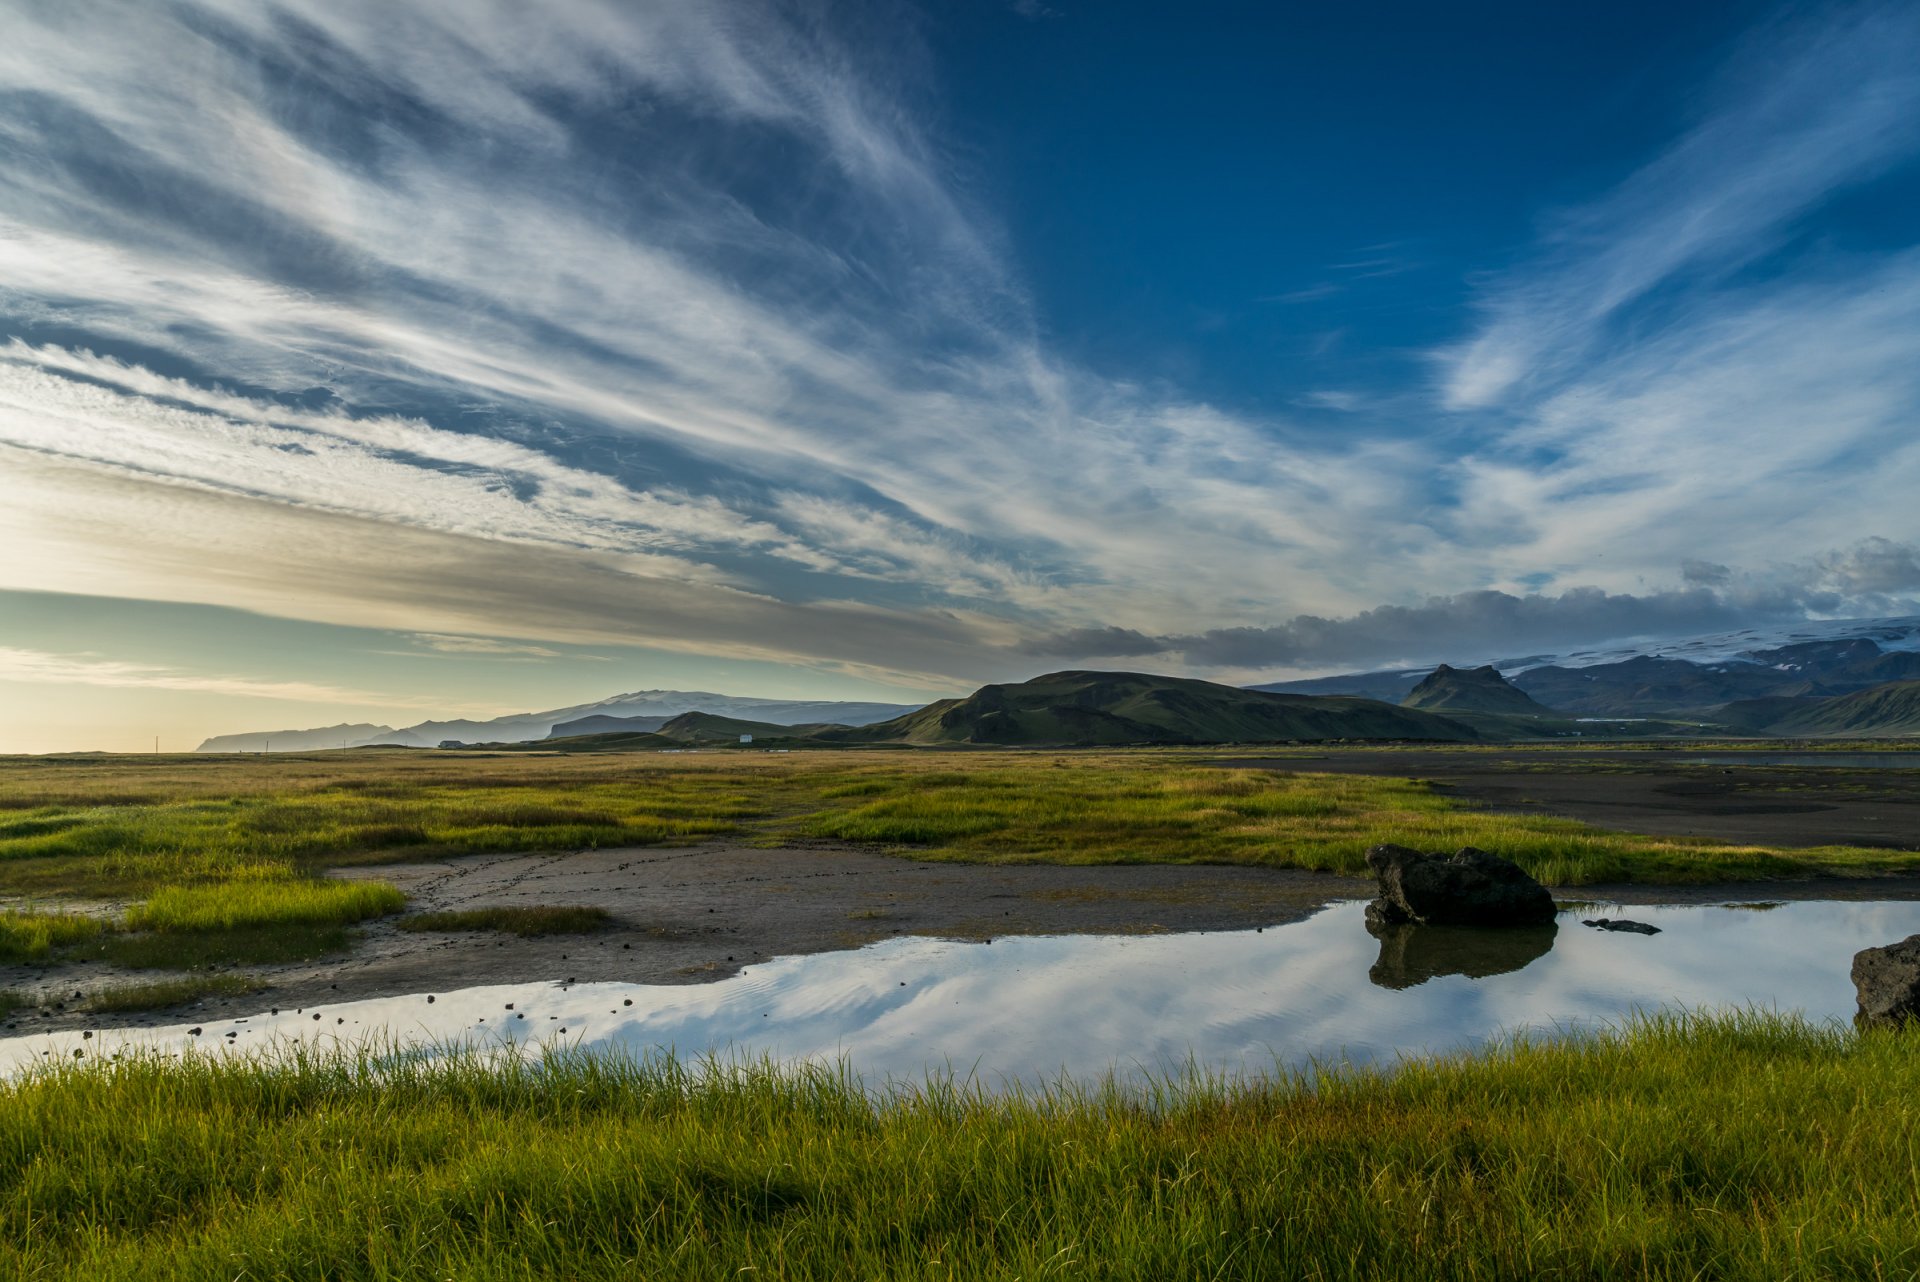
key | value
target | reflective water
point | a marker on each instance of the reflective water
(1834, 760)
(1034, 1008)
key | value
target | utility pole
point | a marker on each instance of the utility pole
(156, 745)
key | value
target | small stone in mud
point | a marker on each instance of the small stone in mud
(193, 1032)
(628, 1002)
(429, 999)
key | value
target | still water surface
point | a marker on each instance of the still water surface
(1032, 1009)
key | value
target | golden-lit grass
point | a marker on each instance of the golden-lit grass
(125, 827)
(279, 902)
(1739, 1146)
(1115, 813)
(30, 936)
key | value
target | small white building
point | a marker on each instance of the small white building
(746, 738)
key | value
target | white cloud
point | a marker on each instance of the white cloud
(42, 667)
(803, 414)
(483, 646)
(1814, 110)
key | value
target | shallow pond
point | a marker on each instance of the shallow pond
(1033, 1008)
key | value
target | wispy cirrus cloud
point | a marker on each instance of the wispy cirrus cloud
(1815, 105)
(847, 383)
(43, 667)
(677, 325)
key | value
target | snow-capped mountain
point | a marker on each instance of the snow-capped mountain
(1686, 677)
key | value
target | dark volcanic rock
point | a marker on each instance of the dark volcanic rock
(1622, 924)
(1887, 981)
(1412, 954)
(1468, 888)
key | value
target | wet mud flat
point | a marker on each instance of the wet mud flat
(1332, 987)
(1658, 793)
(697, 914)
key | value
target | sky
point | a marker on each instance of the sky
(371, 360)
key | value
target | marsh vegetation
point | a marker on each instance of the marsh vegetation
(183, 863)
(1739, 1145)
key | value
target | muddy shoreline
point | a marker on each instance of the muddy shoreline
(693, 914)
(696, 914)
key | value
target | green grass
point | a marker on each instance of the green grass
(233, 846)
(1742, 1146)
(162, 994)
(556, 919)
(30, 936)
(270, 945)
(1105, 812)
(225, 906)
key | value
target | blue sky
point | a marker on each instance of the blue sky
(364, 359)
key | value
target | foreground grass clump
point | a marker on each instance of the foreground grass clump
(1742, 1146)
(291, 902)
(160, 995)
(30, 936)
(525, 922)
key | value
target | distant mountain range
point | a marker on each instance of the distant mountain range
(1069, 709)
(1856, 677)
(658, 706)
(341, 736)
(1751, 682)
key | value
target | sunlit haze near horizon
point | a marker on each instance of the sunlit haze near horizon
(378, 360)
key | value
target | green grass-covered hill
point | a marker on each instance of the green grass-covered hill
(1481, 689)
(1132, 707)
(1890, 709)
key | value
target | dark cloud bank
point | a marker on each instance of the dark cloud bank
(1874, 577)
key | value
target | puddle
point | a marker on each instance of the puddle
(1835, 760)
(1031, 1009)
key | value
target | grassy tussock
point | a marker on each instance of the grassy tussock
(267, 945)
(162, 994)
(1742, 1146)
(265, 903)
(30, 936)
(526, 922)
